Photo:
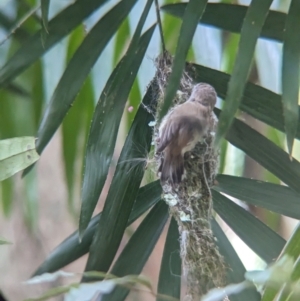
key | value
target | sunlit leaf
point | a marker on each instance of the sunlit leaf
(219, 294)
(87, 291)
(7, 195)
(49, 277)
(276, 274)
(3, 241)
(53, 292)
(16, 154)
(84, 291)
(291, 250)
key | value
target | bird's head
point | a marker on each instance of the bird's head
(204, 94)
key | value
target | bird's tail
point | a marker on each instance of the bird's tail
(171, 168)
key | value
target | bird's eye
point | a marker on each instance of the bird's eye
(192, 99)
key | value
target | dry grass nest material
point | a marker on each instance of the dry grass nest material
(190, 202)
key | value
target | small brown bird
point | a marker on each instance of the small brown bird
(182, 128)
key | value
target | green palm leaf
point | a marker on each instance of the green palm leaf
(230, 17)
(125, 184)
(71, 249)
(291, 73)
(170, 270)
(106, 120)
(83, 60)
(58, 28)
(139, 248)
(192, 14)
(252, 25)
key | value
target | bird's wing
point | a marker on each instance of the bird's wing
(168, 133)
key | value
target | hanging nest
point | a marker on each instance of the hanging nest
(190, 202)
